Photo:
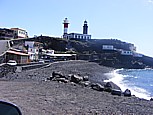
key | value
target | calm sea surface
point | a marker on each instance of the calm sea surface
(139, 81)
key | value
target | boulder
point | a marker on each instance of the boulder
(151, 99)
(76, 78)
(85, 78)
(116, 92)
(50, 78)
(110, 85)
(97, 86)
(64, 80)
(69, 76)
(85, 83)
(57, 75)
(127, 93)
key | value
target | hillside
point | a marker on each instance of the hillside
(60, 44)
(94, 46)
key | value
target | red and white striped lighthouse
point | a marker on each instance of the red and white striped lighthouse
(66, 23)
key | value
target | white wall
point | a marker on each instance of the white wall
(32, 50)
(123, 52)
(22, 34)
(29, 43)
(108, 47)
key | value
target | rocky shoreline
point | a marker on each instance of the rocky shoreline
(70, 87)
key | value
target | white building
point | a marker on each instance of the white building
(125, 52)
(33, 49)
(20, 33)
(108, 47)
(76, 36)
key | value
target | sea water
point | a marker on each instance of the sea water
(139, 81)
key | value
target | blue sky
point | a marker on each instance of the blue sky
(126, 20)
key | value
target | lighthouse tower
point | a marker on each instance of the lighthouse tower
(66, 23)
(85, 27)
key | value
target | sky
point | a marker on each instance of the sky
(127, 20)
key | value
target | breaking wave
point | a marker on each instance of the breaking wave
(129, 79)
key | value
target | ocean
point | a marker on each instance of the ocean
(139, 81)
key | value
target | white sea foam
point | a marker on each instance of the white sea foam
(118, 79)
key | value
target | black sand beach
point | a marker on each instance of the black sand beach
(35, 95)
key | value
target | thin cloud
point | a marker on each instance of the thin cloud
(150, 1)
